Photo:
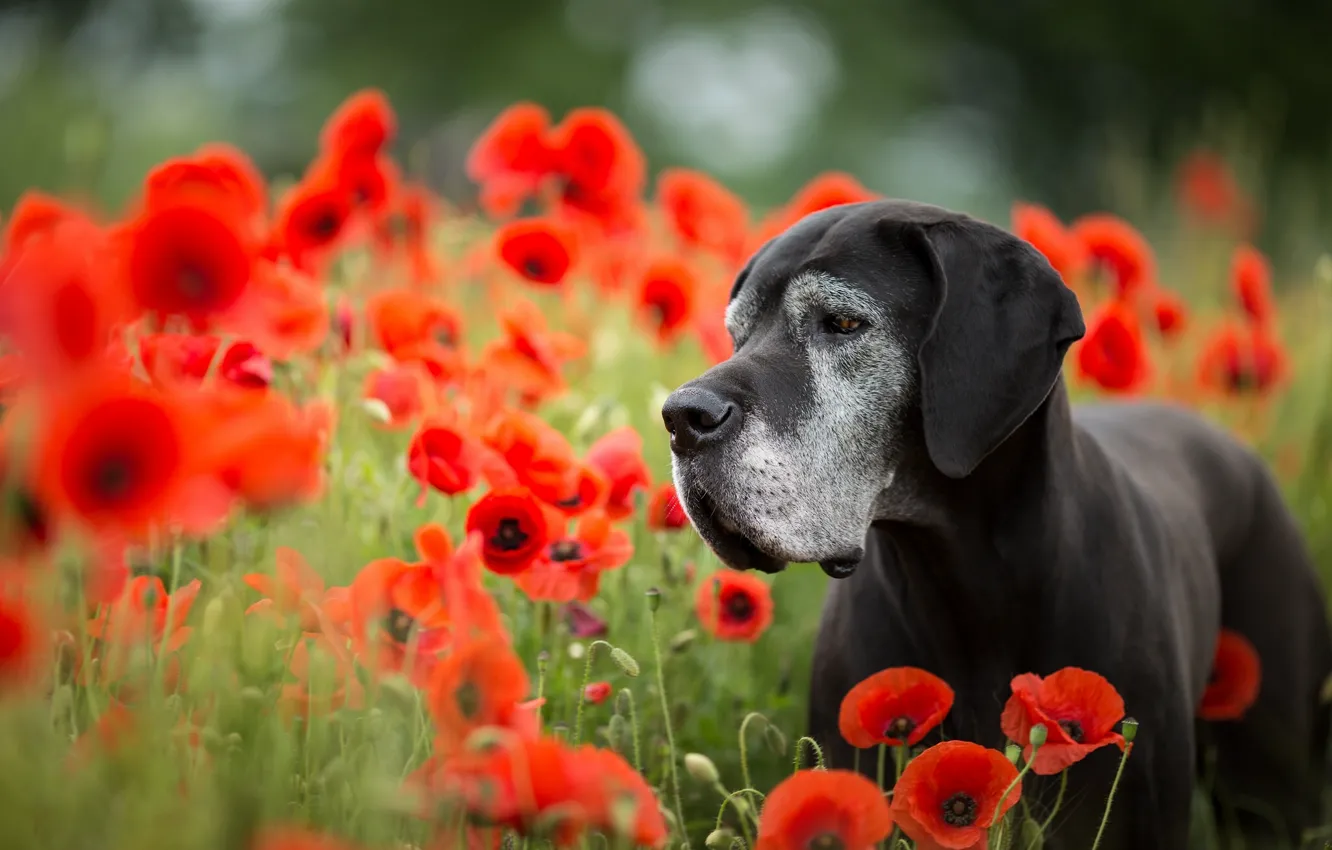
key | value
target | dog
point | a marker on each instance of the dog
(895, 411)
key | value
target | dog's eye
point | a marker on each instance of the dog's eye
(842, 324)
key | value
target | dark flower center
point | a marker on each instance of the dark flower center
(113, 477)
(398, 623)
(31, 516)
(1073, 729)
(566, 550)
(468, 697)
(193, 283)
(572, 502)
(826, 841)
(899, 728)
(325, 225)
(739, 607)
(533, 267)
(959, 810)
(509, 535)
(444, 336)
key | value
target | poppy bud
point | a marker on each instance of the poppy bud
(618, 733)
(624, 661)
(719, 839)
(1038, 735)
(683, 640)
(1013, 752)
(776, 741)
(377, 410)
(1129, 729)
(624, 702)
(234, 741)
(212, 616)
(654, 598)
(701, 768)
(252, 695)
(624, 814)
(543, 660)
(560, 731)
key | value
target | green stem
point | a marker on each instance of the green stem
(633, 729)
(813, 745)
(666, 720)
(1059, 801)
(1110, 801)
(727, 797)
(900, 759)
(1003, 823)
(744, 747)
(582, 691)
(883, 761)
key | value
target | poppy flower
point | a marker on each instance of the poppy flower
(666, 297)
(184, 360)
(734, 606)
(1235, 680)
(530, 358)
(603, 169)
(1119, 249)
(361, 125)
(898, 706)
(597, 692)
(402, 318)
(1037, 225)
(826, 190)
(403, 388)
(481, 682)
(22, 642)
(298, 589)
(618, 455)
(1251, 282)
(1113, 353)
(35, 213)
(538, 249)
(702, 213)
(589, 492)
(1169, 312)
(1208, 192)
(950, 795)
(511, 158)
(539, 454)
(324, 673)
(570, 568)
(1238, 360)
(218, 170)
(285, 312)
(190, 256)
(512, 525)
(446, 459)
(115, 453)
(399, 618)
(143, 615)
(542, 784)
(1078, 708)
(310, 222)
(664, 510)
(710, 329)
(824, 808)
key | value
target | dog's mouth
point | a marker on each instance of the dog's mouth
(737, 550)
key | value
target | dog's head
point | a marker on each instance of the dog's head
(868, 338)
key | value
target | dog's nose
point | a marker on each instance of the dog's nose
(698, 417)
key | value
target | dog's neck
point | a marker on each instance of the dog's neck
(981, 559)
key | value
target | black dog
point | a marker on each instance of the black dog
(895, 404)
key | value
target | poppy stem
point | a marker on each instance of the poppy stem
(1110, 801)
(744, 747)
(883, 761)
(813, 745)
(1036, 740)
(1059, 801)
(900, 759)
(653, 602)
(582, 689)
(633, 728)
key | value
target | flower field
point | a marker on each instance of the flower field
(339, 515)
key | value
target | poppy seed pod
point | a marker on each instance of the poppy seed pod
(624, 661)
(719, 839)
(1129, 729)
(1038, 735)
(1013, 752)
(701, 768)
(654, 598)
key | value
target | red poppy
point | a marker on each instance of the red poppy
(1237, 360)
(512, 525)
(403, 318)
(1170, 313)
(447, 459)
(361, 125)
(217, 170)
(618, 455)
(22, 642)
(588, 494)
(666, 297)
(542, 784)
(710, 328)
(529, 359)
(664, 510)
(1113, 353)
(1235, 679)
(734, 606)
(597, 692)
(184, 360)
(702, 213)
(1251, 282)
(601, 164)
(950, 795)
(824, 808)
(570, 568)
(540, 455)
(399, 619)
(897, 706)
(1208, 192)
(481, 682)
(37, 212)
(538, 249)
(511, 158)
(457, 576)
(1119, 249)
(1038, 226)
(189, 255)
(403, 389)
(1078, 708)
(826, 190)
(324, 673)
(298, 589)
(118, 454)
(310, 222)
(145, 613)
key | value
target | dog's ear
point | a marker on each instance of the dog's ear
(1003, 320)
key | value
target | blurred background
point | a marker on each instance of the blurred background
(1081, 105)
